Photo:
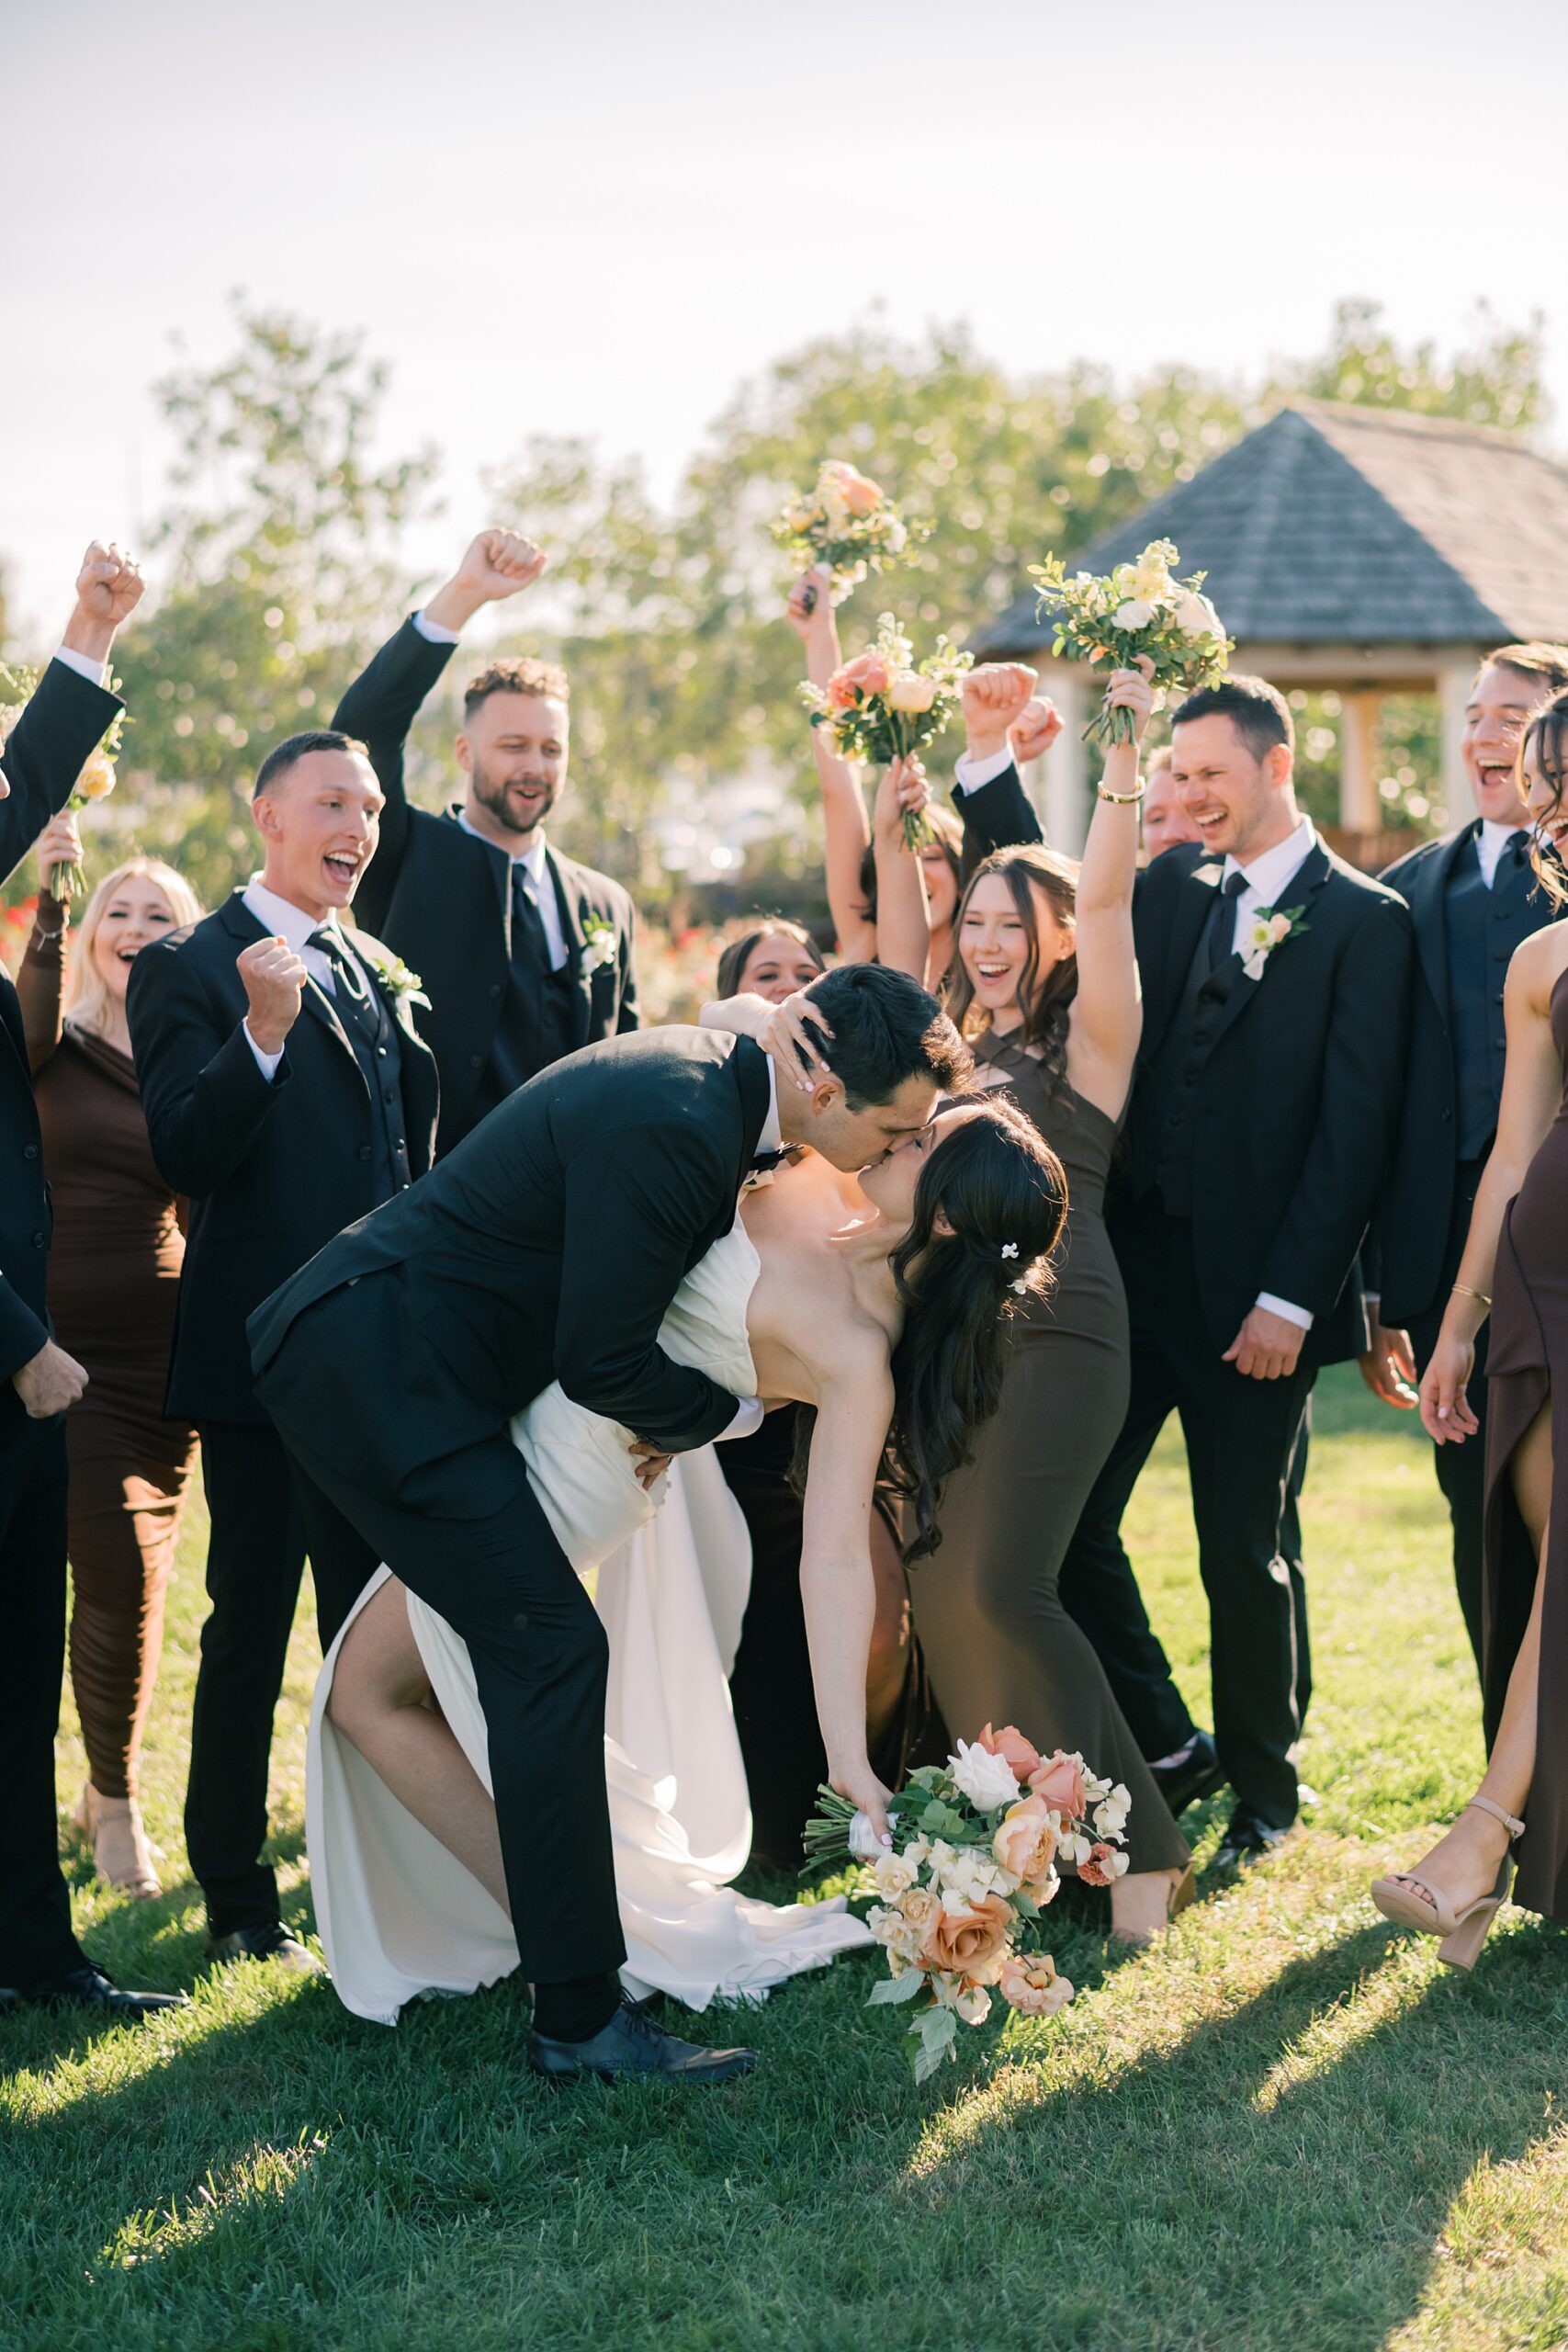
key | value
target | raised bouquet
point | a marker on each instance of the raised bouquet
(96, 781)
(1140, 608)
(885, 705)
(962, 1888)
(848, 524)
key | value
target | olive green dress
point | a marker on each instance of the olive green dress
(1000, 1647)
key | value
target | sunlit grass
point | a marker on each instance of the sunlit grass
(1287, 2129)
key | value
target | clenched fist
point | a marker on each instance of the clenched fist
(1034, 730)
(275, 980)
(108, 588)
(49, 1383)
(498, 563)
(994, 696)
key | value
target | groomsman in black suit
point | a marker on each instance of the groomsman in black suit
(286, 1092)
(1276, 1010)
(1473, 898)
(525, 956)
(40, 1960)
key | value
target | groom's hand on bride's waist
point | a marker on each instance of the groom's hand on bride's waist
(650, 1464)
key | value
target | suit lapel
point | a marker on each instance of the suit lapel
(1428, 912)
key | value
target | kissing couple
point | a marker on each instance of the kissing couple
(488, 1375)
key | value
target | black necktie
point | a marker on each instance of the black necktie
(530, 948)
(1222, 919)
(352, 993)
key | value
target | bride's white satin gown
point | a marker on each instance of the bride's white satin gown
(400, 1916)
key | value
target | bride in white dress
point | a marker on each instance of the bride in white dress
(878, 1301)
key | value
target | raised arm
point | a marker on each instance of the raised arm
(846, 831)
(854, 1412)
(66, 717)
(1532, 1091)
(903, 917)
(993, 806)
(1107, 1015)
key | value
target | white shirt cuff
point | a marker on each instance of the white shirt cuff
(433, 630)
(748, 1417)
(973, 773)
(96, 673)
(1298, 1315)
(265, 1063)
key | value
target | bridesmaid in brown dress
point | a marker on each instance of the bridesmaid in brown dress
(1046, 990)
(114, 1277)
(1516, 1268)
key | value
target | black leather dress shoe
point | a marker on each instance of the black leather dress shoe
(271, 1942)
(88, 1988)
(633, 2048)
(1198, 1775)
(1248, 1840)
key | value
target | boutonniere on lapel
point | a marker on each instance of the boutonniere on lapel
(601, 944)
(403, 986)
(1268, 928)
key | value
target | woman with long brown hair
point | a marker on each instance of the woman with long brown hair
(114, 1278)
(1046, 991)
(1515, 1269)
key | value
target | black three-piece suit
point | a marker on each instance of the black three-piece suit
(1262, 1115)
(48, 748)
(1465, 935)
(548, 1245)
(273, 1169)
(445, 899)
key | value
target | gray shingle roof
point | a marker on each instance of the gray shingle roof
(1332, 523)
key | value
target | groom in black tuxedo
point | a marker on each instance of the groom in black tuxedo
(286, 1092)
(524, 954)
(40, 1960)
(549, 1245)
(1474, 897)
(1276, 1007)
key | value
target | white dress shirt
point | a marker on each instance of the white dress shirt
(96, 673)
(282, 920)
(540, 888)
(973, 773)
(1489, 842)
(1267, 878)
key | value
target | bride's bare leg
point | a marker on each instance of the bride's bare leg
(378, 1703)
(1464, 1864)
(892, 1631)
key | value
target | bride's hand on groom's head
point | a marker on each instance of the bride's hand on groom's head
(793, 1034)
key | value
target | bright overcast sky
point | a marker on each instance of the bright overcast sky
(595, 217)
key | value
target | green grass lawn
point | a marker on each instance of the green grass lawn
(1287, 2128)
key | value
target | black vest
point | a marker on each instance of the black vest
(535, 1024)
(373, 1034)
(1172, 1076)
(1483, 927)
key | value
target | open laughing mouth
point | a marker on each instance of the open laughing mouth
(991, 975)
(343, 867)
(1493, 777)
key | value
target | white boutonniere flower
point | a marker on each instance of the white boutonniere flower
(403, 985)
(1268, 928)
(599, 943)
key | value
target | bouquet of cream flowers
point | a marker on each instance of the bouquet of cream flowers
(848, 524)
(96, 782)
(883, 705)
(1141, 609)
(972, 1866)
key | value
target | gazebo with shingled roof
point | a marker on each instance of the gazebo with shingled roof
(1348, 549)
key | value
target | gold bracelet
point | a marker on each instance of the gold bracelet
(1462, 1290)
(1120, 799)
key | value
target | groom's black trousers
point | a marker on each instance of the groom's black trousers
(541, 1661)
(1242, 1438)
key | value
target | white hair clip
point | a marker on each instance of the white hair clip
(1010, 1248)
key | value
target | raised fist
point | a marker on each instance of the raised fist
(109, 585)
(499, 563)
(275, 980)
(1034, 730)
(994, 696)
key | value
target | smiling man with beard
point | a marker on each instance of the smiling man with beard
(524, 955)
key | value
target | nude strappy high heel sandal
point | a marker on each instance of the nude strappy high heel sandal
(112, 1827)
(1463, 1932)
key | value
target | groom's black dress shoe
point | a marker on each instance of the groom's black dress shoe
(633, 2048)
(271, 1942)
(1248, 1840)
(88, 1988)
(1198, 1775)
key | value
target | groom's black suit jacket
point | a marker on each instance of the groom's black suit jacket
(1412, 1231)
(48, 746)
(273, 1169)
(548, 1245)
(1296, 1089)
(443, 898)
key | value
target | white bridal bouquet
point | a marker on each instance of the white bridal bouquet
(848, 524)
(972, 1867)
(96, 782)
(1141, 609)
(883, 705)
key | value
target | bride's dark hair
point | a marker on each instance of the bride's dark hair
(1002, 1189)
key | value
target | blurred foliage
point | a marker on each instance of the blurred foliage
(280, 546)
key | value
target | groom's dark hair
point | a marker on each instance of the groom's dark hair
(886, 1028)
(1257, 711)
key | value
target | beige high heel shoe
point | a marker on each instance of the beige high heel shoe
(1179, 1893)
(113, 1827)
(1463, 1932)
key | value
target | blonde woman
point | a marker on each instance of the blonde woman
(114, 1277)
